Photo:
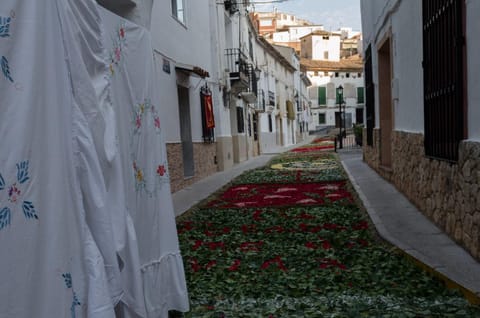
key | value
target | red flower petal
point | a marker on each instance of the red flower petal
(211, 264)
(310, 245)
(235, 265)
(326, 245)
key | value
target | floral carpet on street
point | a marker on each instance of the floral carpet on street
(290, 240)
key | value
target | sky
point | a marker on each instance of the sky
(333, 14)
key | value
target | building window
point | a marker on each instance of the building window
(359, 75)
(322, 95)
(178, 10)
(255, 126)
(270, 123)
(443, 77)
(325, 37)
(240, 121)
(369, 95)
(347, 75)
(360, 99)
(325, 73)
(322, 119)
(337, 74)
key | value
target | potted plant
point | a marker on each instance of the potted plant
(358, 132)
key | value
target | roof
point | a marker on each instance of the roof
(346, 65)
(320, 32)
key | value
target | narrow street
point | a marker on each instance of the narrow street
(293, 239)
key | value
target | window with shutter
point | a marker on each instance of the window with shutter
(360, 99)
(322, 95)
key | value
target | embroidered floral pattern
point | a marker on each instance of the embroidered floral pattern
(146, 123)
(75, 302)
(140, 113)
(158, 177)
(139, 178)
(13, 194)
(5, 26)
(6, 69)
(115, 56)
(161, 170)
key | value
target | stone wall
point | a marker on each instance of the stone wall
(205, 163)
(371, 154)
(445, 192)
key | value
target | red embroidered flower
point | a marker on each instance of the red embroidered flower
(138, 122)
(13, 193)
(121, 32)
(156, 122)
(161, 170)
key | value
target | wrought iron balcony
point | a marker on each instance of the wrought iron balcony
(238, 67)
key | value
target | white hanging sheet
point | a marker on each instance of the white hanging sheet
(141, 148)
(50, 264)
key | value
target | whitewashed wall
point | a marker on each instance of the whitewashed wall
(190, 44)
(473, 67)
(319, 46)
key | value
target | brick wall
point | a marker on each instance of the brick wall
(204, 158)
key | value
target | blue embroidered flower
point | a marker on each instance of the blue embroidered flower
(5, 217)
(22, 171)
(68, 279)
(6, 68)
(2, 182)
(75, 302)
(5, 27)
(13, 196)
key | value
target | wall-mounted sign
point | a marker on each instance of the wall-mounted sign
(166, 66)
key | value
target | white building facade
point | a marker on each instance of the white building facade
(422, 107)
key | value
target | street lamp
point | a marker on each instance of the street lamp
(340, 102)
(258, 72)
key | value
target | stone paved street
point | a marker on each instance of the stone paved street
(300, 236)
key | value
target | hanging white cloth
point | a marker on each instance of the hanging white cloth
(50, 263)
(144, 164)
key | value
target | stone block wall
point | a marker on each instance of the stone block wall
(205, 163)
(371, 154)
(447, 193)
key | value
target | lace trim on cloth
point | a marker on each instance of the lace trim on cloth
(167, 271)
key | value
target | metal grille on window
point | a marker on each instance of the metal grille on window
(208, 120)
(443, 73)
(240, 121)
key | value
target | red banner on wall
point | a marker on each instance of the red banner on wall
(209, 119)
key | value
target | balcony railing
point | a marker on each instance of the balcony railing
(242, 73)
